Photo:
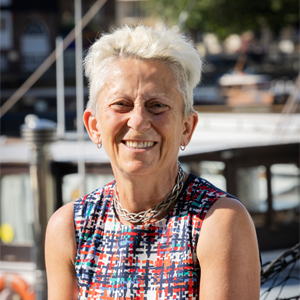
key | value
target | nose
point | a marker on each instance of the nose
(139, 119)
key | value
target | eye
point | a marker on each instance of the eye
(121, 106)
(121, 103)
(157, 107)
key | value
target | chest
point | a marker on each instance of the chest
(152, 262)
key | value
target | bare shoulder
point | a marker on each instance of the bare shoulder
(227, 213)
(227, 223)
(62, 218)
(60, 252)
(228, 253)
(61, 230)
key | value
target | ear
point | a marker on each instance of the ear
(91, 125)
(190, 124)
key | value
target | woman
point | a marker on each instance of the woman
(139, 236)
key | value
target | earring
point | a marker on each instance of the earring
(99, 145)
(182, 147)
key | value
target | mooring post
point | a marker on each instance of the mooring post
(39, 133)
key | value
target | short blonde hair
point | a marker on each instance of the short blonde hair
(144, 43)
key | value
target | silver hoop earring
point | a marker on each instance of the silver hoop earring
(99, 145)
(182, 147)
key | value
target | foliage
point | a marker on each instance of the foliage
(227, 16)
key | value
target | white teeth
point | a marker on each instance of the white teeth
(139, 145)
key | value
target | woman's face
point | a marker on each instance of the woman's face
(140, 117)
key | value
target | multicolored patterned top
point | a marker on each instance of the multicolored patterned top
(153, 261)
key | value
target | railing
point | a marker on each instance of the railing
(278, 273)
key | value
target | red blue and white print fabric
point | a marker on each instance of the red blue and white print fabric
(153, 261)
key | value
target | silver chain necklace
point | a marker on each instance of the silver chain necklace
(146, 215)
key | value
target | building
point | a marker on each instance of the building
(28, 35)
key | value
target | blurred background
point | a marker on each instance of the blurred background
(246, 142)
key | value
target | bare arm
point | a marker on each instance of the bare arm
(228, 254)
(60, 250)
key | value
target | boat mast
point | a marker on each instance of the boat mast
(79, 96)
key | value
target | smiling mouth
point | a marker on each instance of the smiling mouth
(139, 145)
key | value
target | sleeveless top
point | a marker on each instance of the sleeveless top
(153, 261)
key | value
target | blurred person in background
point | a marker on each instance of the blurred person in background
(156, 232)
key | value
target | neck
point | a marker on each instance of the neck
(138, 193)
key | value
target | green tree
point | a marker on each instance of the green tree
(224, 17)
